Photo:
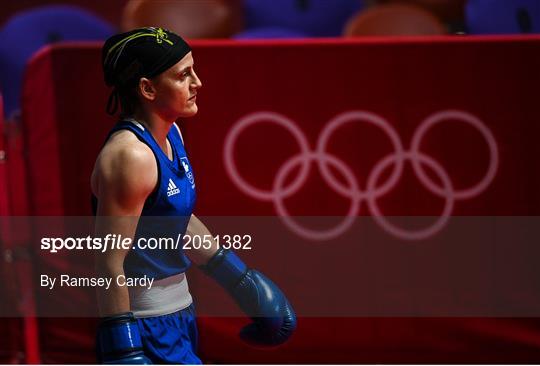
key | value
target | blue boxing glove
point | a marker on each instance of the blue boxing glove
(273, 317)
(119, 341)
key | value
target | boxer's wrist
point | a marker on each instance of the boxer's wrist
(119, 337)
(226, 268)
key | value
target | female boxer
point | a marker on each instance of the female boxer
(143, 186)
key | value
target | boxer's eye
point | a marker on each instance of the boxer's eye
(185, 74)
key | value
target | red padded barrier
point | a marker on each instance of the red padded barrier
(63, 138)
(4, 206)
(11, 339)
(403, 81)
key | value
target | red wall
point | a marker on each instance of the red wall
(400, 84)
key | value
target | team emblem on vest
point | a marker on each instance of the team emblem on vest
(172, 189)
(189, 174)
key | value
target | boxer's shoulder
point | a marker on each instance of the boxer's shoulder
(126, 162)
(124, 145)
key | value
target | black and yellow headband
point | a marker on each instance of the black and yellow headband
(143, 52)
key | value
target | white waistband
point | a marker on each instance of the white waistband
(166, 296)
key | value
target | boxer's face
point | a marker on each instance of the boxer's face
(176, 89)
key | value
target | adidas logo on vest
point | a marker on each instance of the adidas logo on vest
(172, 189)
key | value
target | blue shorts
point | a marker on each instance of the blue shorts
(171, 338)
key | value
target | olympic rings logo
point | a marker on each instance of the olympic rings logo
(351, 190)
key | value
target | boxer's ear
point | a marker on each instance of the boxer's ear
(147, 89)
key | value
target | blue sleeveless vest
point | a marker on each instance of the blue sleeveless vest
(167, 210)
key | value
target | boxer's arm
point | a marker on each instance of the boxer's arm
(197, 228)
(124, 175)
(261, 299)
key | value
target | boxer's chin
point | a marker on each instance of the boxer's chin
(190, 111)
